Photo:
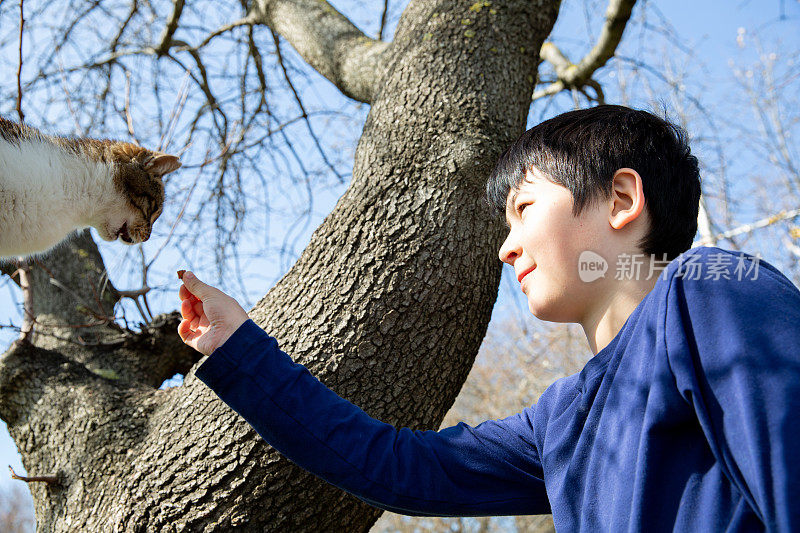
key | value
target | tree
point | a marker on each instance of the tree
(397, 288)
(376, 304)
(513, 368)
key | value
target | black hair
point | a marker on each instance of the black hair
(581, 150)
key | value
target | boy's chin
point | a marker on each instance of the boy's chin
(548, 313)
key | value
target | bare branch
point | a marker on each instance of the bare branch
(124, 26)
(27, 295)
(169, 30)
(50, 479)
(383, 19)
(747, 228)
(19, 68)
(704, 224)
(246, 21)
(328, 41)
(302, 108)
(571, 76)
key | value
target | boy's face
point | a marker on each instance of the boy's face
(546, 237)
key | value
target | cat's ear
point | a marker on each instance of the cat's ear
(159, 164)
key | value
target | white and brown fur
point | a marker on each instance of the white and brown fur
(51, 186)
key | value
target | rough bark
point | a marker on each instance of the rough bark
(388, 305)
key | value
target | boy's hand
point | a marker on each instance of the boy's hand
(210, 316)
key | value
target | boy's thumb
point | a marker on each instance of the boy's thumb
(195, 286)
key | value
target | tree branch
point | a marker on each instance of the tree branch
(748, 228)
(19, 68)
(328, 41)
(571, 76)
(31, 479)
(383, 19)
(169, 30)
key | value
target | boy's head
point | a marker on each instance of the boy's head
(608, 180)
(581, 151)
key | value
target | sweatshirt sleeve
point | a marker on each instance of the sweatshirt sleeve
(489, 469)
(734, 347)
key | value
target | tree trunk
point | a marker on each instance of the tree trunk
(387, 305)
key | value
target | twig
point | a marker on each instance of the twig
(249, 20)
(128, 117)
(180, 214)
(19, 68)
(87, 306)
(135, 294)
(175, 113)
(26, 330)
(47, 479)
(169, 30)
(276, 40)
(572, 76)
(747, 228)
(383, 19)
(67, 97)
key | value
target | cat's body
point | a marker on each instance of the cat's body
(51, 186)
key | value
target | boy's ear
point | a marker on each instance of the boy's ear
(627, 196)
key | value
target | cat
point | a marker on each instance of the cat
(51, 186)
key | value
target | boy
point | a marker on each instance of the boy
(684, 420)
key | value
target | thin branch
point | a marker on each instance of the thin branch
(704, 224)
(28, 317)
(249, 20)
(747, 228)
(571, 76)
(302, 108)
(327, 41)
(383, 19)
(128, 116)
(174, 44)
(19, 68)
(131, 13)
(169, 30)
(46, 479)
(617, 16)
(180, 214)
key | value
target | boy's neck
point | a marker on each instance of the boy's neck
(606, 319)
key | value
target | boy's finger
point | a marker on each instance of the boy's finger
(184, 330)
(183, 293)
(187, 310)
(197, 287)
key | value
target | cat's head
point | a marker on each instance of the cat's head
(140, 198)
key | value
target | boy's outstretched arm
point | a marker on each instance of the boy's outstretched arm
(491, 469)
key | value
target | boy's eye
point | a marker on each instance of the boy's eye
(521, 207)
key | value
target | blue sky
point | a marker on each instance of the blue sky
(707, 29)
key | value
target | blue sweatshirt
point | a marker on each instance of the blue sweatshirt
(689, 420)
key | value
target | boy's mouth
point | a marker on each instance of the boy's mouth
(525, 273)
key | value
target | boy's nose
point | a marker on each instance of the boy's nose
(509, 251)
